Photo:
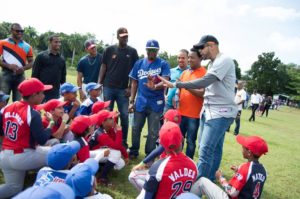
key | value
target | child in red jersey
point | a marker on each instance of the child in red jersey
(249, 177)
(57, 119)
(174, 174)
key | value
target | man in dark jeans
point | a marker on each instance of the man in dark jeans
(16, 58)
(267, 106)
(50, 68)
(117, 63)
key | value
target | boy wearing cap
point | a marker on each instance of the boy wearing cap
(57, 119)
(69, 94)
(170, 176)
(150, 97)
(99, 106)
(137, 176)
(249, 177)
(59, 160)
(22, 128)
(118, 60)
(3, 99)
(93, 90)
(108, 136)
(88, 67)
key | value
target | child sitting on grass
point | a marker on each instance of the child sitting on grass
(249, 178)
(94, 92)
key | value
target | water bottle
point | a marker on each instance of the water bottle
(131, 119)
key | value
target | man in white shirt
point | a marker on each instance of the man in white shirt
(239, 99)
(255, 99)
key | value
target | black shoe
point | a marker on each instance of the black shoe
(133, 157)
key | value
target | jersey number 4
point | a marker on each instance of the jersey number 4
(11, 130)
(177, 186)
(256, 191)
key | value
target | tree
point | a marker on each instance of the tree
(30, 36)
(4, 30)
(237, 70)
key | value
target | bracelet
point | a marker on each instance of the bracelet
(131, 101)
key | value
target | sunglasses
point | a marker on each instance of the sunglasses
(19, 31)
(152, 50)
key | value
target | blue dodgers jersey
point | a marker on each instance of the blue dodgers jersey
(47, 175)
(145, 96)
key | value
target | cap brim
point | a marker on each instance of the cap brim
(106, 104)
(241, 140)
(91, 46)
(199, 45)
(62, 104)
(93, 164)
(39, 107)
(152, 48)
(123, 34)
(94, 118)
(4, 98)
(75, 146)
(47, 87)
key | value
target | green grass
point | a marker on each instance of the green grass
(280, 130)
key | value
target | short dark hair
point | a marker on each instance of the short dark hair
(184, 51)
(51, 37)
(196, 51)
(13, 25)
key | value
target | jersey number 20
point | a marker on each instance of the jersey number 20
(11, 130)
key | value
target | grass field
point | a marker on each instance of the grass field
(280, 130)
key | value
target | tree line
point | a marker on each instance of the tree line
(268, 75)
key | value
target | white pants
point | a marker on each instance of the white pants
(14, 167)
(114, 157)
(210, 189)
(138, 178)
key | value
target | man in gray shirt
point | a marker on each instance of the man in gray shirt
(219, 106)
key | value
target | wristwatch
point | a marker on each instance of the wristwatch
(131, 101)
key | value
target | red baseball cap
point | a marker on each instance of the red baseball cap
(173, 115)
(50, 105)
(81, 123)
(170, 136)
(99, 105)
(255, 144)
(31, 86)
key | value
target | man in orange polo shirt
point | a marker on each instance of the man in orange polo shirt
(190, 102)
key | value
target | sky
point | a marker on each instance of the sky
(244, 28)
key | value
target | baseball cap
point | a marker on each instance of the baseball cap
(81, 177)
(187, 195)
(81, 123)
(31, 86)
(90, 43)
(53, 190)
(3, 97)
(99, 105)
(122, 32)
(170, 136)
(92, 86)
(103, 115)
(50, 105)
(204, 39)
(152, 44)
(255, 144)
(173, 115)
(68, 88)
(61, 154)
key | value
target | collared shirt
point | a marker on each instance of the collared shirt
(175, 74)
(255, 98)
(50, 69)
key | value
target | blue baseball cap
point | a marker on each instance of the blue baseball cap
(81, 177)
(92, 86)
(53, 190)
(152, 44)
(187, 195)
(61, 154)
(68, 88)
(3, 97)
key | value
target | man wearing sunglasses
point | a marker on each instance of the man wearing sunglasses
(16, 58)
(219, 106)
(149, 101)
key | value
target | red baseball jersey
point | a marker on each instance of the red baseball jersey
(171, 176)
(249, 180)
(16, 126)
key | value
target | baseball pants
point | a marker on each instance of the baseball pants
(138, 178)
(114, 157)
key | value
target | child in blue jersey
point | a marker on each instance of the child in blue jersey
(137, 177)
(249, 177)
(69, 94)
(94, 91)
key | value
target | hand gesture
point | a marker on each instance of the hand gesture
(82, 95)
(140, 166)
(218, 174)
(48, 116)
(234, 168)
(106, 152)
(76, 103)
(65, 117)
(166, 82)
(150, 83)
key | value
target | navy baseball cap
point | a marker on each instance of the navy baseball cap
(204, 40)
(90, 43)
(92, 86)
(53, 190)
(81, 177)
(152, 44)
(122, 32)
(68, 88)
(61, 154)
(3, 97)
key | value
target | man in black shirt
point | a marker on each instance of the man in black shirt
(50, 68)
(118, 61)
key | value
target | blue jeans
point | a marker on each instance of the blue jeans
(153, 128)
(10, 82)
(118, 95)
(189, 129)
(237, 123)
(211, 146)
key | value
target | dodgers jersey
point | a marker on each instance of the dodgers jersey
(171, 176)
(47, 175)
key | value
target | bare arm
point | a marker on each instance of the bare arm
(79, 84)
(102, 73)
(134, 84)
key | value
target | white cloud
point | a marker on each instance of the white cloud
(279, 13)
(243, 10)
